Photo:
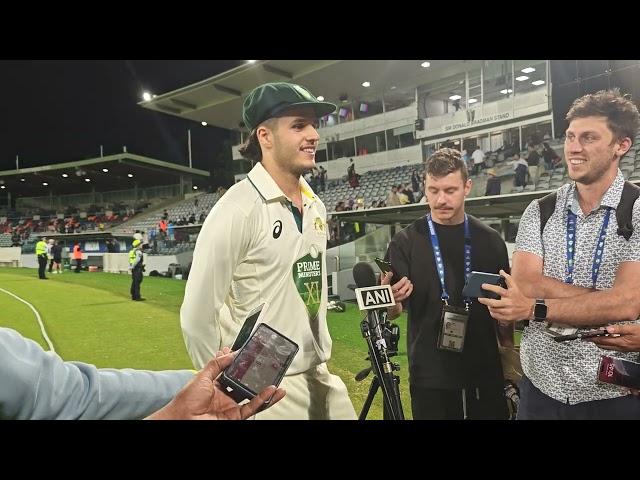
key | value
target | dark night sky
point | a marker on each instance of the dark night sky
(62, 110)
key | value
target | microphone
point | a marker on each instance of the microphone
(365, 277)
(374, 300)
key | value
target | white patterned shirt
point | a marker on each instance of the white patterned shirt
(567, 371)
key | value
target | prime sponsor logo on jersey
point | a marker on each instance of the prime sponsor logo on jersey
(307, 275)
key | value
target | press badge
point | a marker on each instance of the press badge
(555, 329)
(453, 328)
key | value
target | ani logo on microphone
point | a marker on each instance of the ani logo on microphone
(379, 296)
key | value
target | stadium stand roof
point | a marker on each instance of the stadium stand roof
(218, 100)
(501, 206)
(147, 172)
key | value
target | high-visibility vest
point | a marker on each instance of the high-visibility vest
(132, 256)
(77, 253)
(41, 248)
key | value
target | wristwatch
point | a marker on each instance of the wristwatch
(539, 310)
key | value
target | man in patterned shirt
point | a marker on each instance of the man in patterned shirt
(579, 274)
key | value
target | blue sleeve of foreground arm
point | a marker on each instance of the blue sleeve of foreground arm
(35, 384)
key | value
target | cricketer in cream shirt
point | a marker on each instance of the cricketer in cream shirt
(250, 251)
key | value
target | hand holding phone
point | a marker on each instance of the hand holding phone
(262, 361)
(473, 289)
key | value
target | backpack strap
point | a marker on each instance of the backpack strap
(630, 194)
(547, 206)
(624, 211)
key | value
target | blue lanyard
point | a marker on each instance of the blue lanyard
(571, 246)
(437, 255)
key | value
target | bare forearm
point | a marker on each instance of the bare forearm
(505, 334)
(547, 287)
(395, 311)
(595, 308)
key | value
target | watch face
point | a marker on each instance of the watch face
(540, 311)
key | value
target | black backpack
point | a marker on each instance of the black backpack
(630, 193)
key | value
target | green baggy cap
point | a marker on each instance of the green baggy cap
(270, 99)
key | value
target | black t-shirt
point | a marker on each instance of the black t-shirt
(549, 155)
(411, 255)
(533, 159)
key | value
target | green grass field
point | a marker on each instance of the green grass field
(90, 317)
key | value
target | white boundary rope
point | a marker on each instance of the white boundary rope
(42, 330)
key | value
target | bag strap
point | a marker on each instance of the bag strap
(624, 212)
(547, 206)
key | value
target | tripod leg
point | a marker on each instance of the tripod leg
(395, 401)
(373, 388)
(396, 392)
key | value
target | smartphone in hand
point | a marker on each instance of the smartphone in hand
(472, 287)
(262, 361)
(618, 371)
(583, 334)
(247, 327)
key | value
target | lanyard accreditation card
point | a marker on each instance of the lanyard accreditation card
(453, 322)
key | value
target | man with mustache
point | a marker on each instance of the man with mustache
(265, 242)
(579, 272)
(431, 259)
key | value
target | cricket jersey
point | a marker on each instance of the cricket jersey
(252, 249)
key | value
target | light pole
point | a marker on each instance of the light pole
(189, 145)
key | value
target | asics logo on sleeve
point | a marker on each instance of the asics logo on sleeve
(277, 229)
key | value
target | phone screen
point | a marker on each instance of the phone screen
(617, 371)
(263, 360)
(247, 327)
(383, 265)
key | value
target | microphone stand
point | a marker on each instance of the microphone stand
(382, 368)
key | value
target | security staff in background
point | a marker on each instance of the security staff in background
(41, 254)
(77, 256)
(137, 267)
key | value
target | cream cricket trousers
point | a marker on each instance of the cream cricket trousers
(312, 395)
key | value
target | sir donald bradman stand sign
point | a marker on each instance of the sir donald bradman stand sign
(379, 296)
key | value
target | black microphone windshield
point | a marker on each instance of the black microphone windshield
(363, 275)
